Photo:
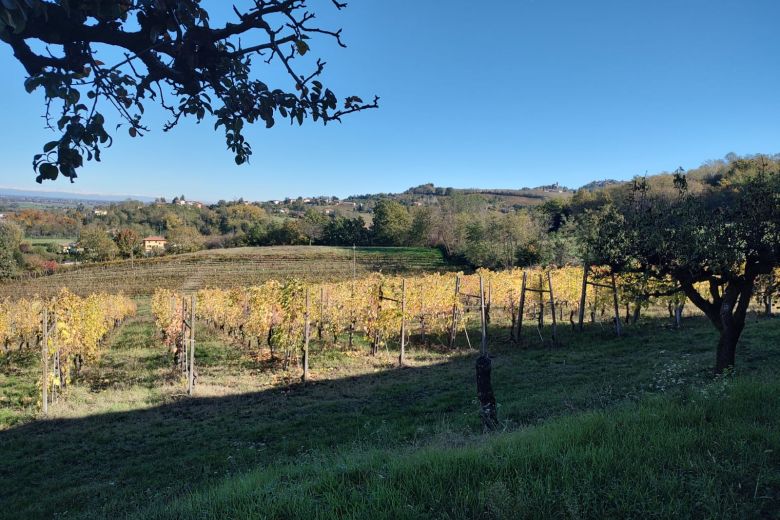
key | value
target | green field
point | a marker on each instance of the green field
(230, 267)
(37, 241)
(599, 427)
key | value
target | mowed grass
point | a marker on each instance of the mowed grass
(598, 427)
(232, 267)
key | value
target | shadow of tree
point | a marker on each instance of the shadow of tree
(116, 462)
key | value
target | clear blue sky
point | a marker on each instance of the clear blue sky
(474, 94)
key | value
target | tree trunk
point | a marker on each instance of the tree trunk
(487, 399)
(727, 350)
(726, 311)
(637, 312)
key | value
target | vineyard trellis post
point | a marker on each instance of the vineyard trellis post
(541, 302)
(521, 308)
(583, 293)
(552, 308)
(454, 325)
(306, 323)
(322, 310)
(352, 299)
(483, 342)
(611, 286)
(487, 399)
(189, 344)
(402, 354)
(618, 326)
(45, 360)
(489, 301)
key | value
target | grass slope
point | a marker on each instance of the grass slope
(231, 267)
(711, 453)
(599, 427)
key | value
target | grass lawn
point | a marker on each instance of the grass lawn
(36, 241)
(599, 427)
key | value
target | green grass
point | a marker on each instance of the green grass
(239, 266)
(710, 453)
(599, 427)
(42, 241)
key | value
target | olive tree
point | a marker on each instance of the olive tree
(91, 55)
(713, 243)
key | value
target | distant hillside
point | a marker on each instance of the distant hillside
(17, 194)
(597, 185)
(496, 198)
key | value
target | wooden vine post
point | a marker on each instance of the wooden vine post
(612, 286)
(583, 294)
(541, 302)
(45, 359)
(552, 308)
(189, 344)
(488, 410)
(521, 308)
(306, 323)
(352, 300)
(618, 326)
(454, 323)
(322, 309)
(402, 354)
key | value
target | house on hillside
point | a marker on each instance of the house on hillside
(71, 248)
(154, 244)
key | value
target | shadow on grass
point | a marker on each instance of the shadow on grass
(115, 463)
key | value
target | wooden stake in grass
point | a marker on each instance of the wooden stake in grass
(305, 376)
(488, 412)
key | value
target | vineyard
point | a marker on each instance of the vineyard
(227, 268)
(69, 331)
(434, 304)
(564, 340)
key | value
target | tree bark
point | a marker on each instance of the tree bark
(637, 312)
(727, 313)
(727, 350)
(487, 399)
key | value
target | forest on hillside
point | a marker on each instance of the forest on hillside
(471, 226)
